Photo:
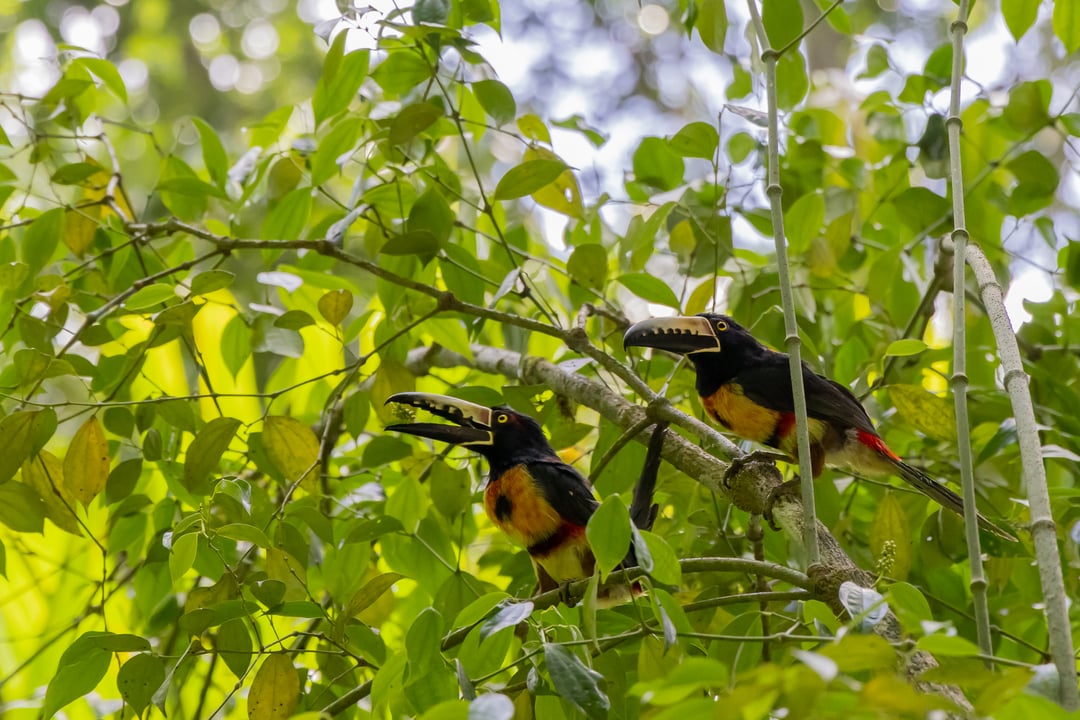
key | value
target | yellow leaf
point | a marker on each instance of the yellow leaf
(562, 194)
(86, 465)
(293, 448)
(926, 412)
(275, 692)
(79, 228)
(335, 305)
(890, 540)
(45, 474)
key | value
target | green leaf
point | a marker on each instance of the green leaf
(1066, 23)
(1020, 15)
(236, 344)
(372, 590)
(422, 642)
(20, 508)
(333, 148)
(413, 120)
(657, 164)
(905, 347)
(23, 433)
(294, 320)
(575, 682)
(509, 615)
(45, 474)
(877, 61)
(649, 288)
(42, 237)
(804, 221)
(496, 99)
(233, 642)
(150, 296)
(213, 152)
(527, 178)
(925, 411)
(910, 606)
(691, 677)
(292, 447)
(205, 452)
(1029, 105)
(792, 82)
(190, 186)
(75, 173)
(432, 213)
(211, 280)
(588, 265)
(608, 533)
(783, 21)
(86, 463)
(244, 532)
(415, 242)
(698, 139)
(947, 645)
(80, 669)
(108, 74)
(182, 554)
(712, 24)
(534, 128)
(890, 537)
(401, 72)
(138, 680)
(341, 79)
(666, 567)
(288, 217)
(335, 305)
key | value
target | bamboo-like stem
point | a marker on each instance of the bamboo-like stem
(791, 327)
(1043, 531)
(959, 381)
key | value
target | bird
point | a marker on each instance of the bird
(539, 501)
(745, 387)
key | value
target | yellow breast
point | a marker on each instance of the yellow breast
(729, 407)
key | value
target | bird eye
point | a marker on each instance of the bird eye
(721, 325)
(501, 418)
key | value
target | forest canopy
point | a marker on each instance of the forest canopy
(230, 232)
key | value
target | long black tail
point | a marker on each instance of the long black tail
(642, 509)
(944, 496)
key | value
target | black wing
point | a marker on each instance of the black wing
(769, 385)
(565, 489)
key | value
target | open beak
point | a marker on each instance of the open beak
(684, 335)
(473, 421)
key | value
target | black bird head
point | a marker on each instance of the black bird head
(717, 345)
(504, 436)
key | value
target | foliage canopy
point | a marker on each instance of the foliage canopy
(207, 292)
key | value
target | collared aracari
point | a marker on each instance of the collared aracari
(746, 388)
(533, 496)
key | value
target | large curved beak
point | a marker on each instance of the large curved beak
(684, 335)
(473, 421)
